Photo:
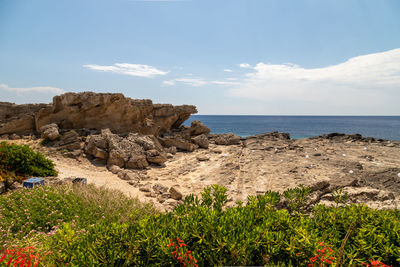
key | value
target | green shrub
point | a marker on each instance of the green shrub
(24, 161)
(99, 228)
(253, 234)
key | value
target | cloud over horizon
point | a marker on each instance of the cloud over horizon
(38, 89)
(139, 70)
(361, 82)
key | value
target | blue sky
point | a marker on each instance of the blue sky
(305, 57)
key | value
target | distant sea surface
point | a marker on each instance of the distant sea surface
(385, 127)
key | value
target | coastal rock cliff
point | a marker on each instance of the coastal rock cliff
(94, 111)
(18, 118)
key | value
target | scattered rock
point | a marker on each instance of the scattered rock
(145, 188)
(177, 142)
(160, 189)
(156, 157)
(137, 162)
(201, 141)
(202, 157)
(227, 139)
(171, 150)
(317, 155)
(122, 175)
(14, 136)
(216, 150)
(132, 176)
(114, 169)
(175, 194)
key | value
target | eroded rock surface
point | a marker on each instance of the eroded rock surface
(94, 111)
(18, 119)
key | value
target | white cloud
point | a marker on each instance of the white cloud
(192, 81)
(38, 89)
(197, 82)
(168, 83)
(362, 84)
(139, 70)
(245, 66)
(228, 70)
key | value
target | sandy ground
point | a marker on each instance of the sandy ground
(259, 165)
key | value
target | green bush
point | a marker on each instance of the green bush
(100, 228)
(24, 161)
(253, 234)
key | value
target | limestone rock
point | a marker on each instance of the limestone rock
(113, 111)
(201, 141)
(100, 153)
(203, 158)
(175, 194)
(157, 157)
(137, 162)
(145, 188)
(177, 142)
(198, 128)
(19, 119)
(171, 150)
(216, 150)
(160, 189)
(114, 169)
(227, 139)
(50, 131)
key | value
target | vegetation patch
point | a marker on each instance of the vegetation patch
(89, 226)
(22, 160)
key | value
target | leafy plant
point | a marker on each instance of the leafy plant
(297, 198)
(24, 161)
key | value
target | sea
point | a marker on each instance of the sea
(383, 127)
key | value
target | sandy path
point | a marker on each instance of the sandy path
(97, 175)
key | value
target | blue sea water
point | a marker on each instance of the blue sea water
(385, 127)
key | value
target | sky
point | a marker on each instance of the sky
(248, 57)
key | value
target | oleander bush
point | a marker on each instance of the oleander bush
(203, 228)
(23, 161)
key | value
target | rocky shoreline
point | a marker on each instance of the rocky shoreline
(142, 149)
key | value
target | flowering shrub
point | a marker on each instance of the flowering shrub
(23, 257)
(324, 256)
(181, 253)
(375, 263)
(88, 226)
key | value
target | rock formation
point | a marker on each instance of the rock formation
(18, 119)
(94, 111)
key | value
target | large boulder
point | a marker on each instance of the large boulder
(134, 151)
(198, 128)
(201, 141)
(49, 131)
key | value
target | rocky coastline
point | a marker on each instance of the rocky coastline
(142, 149)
